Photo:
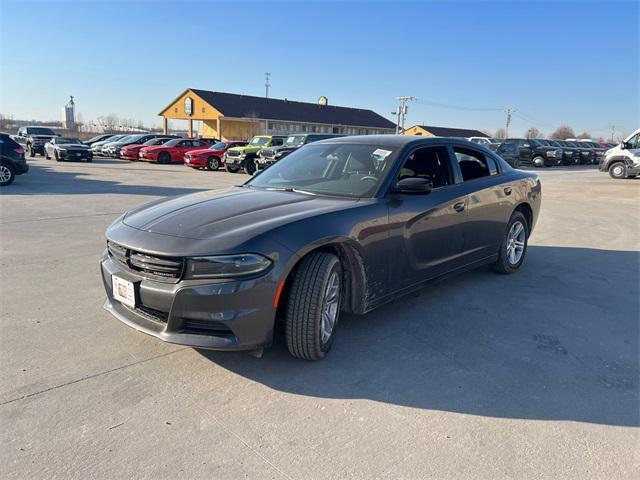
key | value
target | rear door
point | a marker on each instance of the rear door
(425, 229)
(489, 202)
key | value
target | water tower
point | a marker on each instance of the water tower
(69, 115)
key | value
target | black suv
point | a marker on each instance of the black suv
(12, 161)
(33, 139)
(270, 155)
(532, 151)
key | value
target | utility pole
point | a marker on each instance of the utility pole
(508, 111)
(401, 112)
(267, 76)
(613, 131)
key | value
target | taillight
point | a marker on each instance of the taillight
(19, 150)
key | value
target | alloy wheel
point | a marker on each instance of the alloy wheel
(330, 308)
(515, 243)
(5, 174)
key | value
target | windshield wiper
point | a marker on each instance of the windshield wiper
(289, 189)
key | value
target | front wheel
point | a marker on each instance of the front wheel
(514, 245)
(618, 170)
(538, 161)
(230, 168)
(250, 166)
(30, 151)
(56, 155)
(213, 163)
(7, 175)
(313, 306)
(164, 158)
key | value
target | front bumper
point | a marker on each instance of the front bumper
(195, 162)
(264, 162)
(75, 155)
(217, 315)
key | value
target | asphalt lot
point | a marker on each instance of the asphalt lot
(533, 375)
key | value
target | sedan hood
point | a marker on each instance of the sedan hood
(204, 151)
(237, 213)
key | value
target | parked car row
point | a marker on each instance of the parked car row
(540, 152)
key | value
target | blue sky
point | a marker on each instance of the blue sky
(573, 63)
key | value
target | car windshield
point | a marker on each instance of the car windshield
(259, 141)
(155, 141)
(40, 131)
(294, 140)
(126, 138)
(335, 169)
(68, 140)
(570, 144)
(218, 146)
(536, 143)
(553, 143)
(133, 138)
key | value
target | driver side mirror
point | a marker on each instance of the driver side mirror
(623, 145)
(526, 145)
(413, 185)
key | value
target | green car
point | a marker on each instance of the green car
(244, 157)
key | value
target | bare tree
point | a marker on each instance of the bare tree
(563, 132)
(533, 132)
(501, 133)
(584, 135)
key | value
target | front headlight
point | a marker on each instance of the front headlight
(551, 153)
(60, 149)
(278, 154)
(226, 266)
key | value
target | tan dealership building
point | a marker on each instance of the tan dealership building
(230, 116)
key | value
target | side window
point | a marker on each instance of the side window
(184, 143)
(276, 141)
(428, 162)
(634, 142)
(474, 164)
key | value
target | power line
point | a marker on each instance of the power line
(457, 107)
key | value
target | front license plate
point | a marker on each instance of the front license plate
(123, 291)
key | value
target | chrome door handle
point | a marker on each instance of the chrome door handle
(459, 207)
(507, 190)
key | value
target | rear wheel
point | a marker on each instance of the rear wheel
(30, 151)
(618, 170)
(7, 175)
(46, 154)
(313, 306)
(514, 244)
(164, 158)
(230, 168)
(56, 155)
(213, 163)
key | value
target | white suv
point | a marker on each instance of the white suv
(623, 161)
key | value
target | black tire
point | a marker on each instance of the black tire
(306, 302)
(618, 170)
(503, 264)
(516, 163)
(250, 166)
(57, 157)
(538, 161)
(30, 151)
(164, 158)
(7, 174)
(231, 169)
(213, 163)
(46, 155)
(89, 160)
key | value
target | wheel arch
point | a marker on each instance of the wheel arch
(353, 272)
(527, 211)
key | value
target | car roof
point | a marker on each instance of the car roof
(399, 141)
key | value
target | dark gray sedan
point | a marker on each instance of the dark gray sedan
(341, 225)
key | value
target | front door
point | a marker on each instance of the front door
(425, 229)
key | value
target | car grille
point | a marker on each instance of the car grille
(167, 269)
(267, 153)
(75, 152)
(233, 153)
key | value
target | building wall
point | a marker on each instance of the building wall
(417, 131)
(231, 129)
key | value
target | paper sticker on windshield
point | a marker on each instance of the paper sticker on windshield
(382, 153)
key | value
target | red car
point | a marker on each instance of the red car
(130, 152)
(210, 158)
(172, 151)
